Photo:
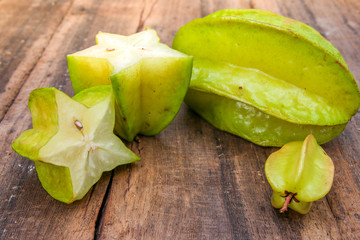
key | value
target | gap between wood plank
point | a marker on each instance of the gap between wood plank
(237, 221)
(251, 4)
(142, 19)
(332, 213)
(99, 217)
(135, 143)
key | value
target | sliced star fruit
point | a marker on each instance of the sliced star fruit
(72, 140)
(149, 79)
(299, 174)
(267, 78)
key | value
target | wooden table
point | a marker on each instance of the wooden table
(194, 181)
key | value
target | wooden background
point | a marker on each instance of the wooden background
(194, 182)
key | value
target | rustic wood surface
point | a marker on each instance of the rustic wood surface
(194, 182)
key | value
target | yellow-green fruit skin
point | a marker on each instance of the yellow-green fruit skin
(42, 105)
(301, 168)
(282, 68)
(149, 94)
(56, 180)
(86, 72)
(256, 126)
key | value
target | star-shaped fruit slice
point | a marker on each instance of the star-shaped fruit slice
(149, 79)
(72, 140)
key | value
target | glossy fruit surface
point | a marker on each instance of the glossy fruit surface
(302, 169)
(72, 140)
(149, 79)
(279, 68)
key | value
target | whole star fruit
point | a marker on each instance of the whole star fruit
(267, 78)
(72, 140)
(149, 79)
(299, 174)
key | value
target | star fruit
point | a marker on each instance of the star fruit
(149, 79)
(299, 174)
(267, 78)
(72, 140)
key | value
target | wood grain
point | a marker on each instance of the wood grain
(27, 27)
(194, 181)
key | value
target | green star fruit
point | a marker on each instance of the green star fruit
(72, 140)
(299, 173)
(267, 78)
(149, 79)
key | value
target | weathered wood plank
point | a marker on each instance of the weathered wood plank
(27, 211)
(26, 28)
(205, 184)
(194, 182)
(338, 22)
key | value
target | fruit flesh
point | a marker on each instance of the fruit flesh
(122, 52)
(301, 168)
(73, 157)
(249, 56)
(149, 79)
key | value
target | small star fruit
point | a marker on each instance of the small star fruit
(299, 174)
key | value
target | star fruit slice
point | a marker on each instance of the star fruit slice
(149, 79)
(299, 174)
(267, 78)
(72, 140)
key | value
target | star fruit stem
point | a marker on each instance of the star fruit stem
(287, 202)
